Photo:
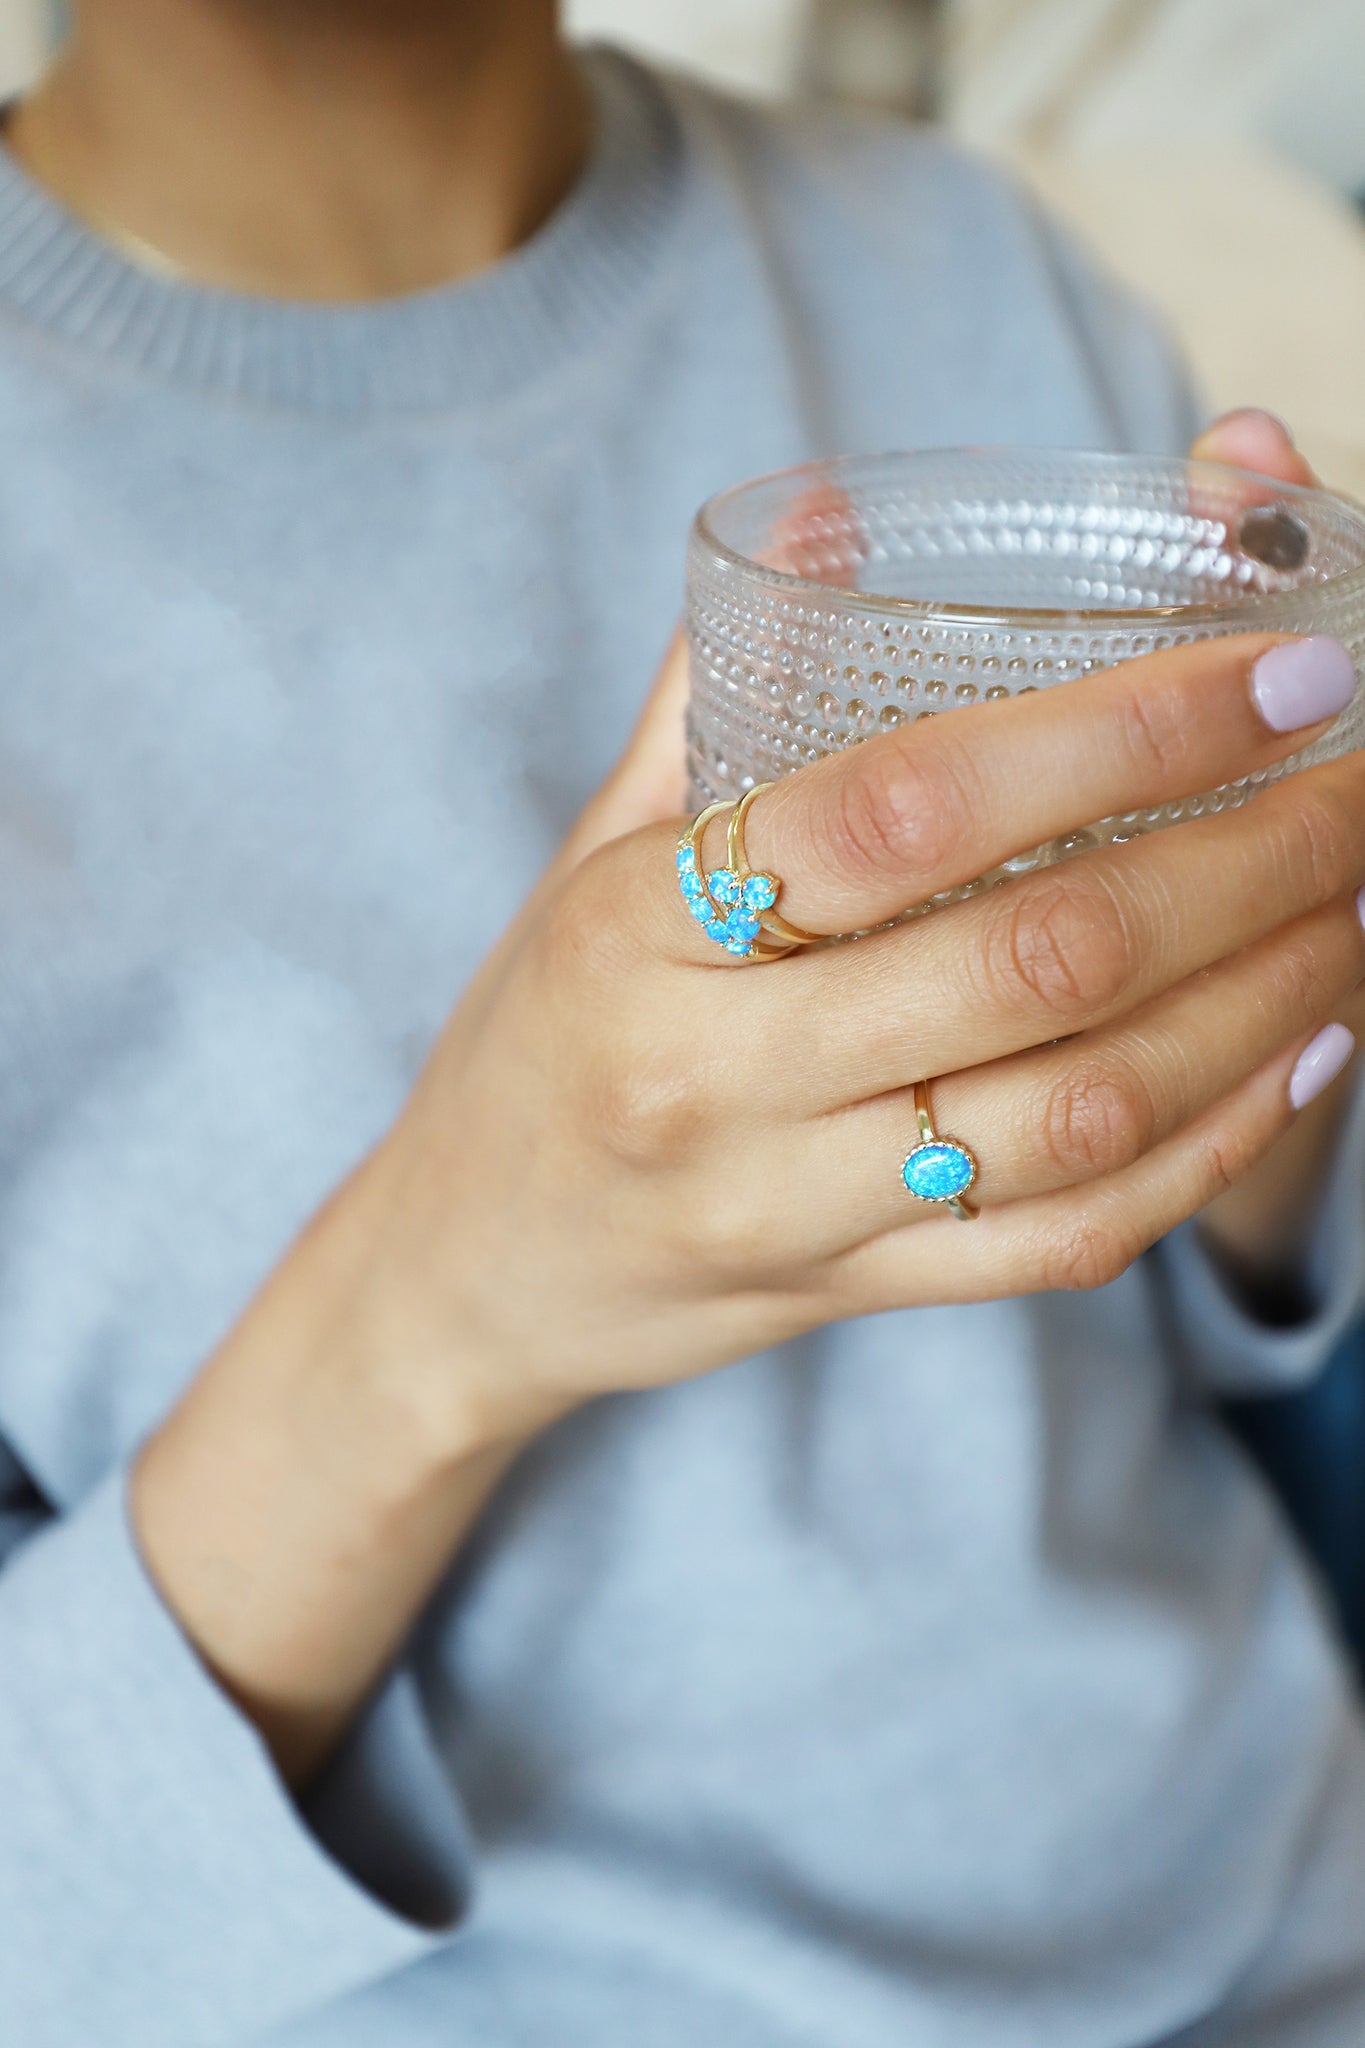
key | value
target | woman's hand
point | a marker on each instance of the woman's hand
(1259, 1230)
(630, 1159)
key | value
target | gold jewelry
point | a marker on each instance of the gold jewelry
(725, 907)
(939, 1169)
(145, 255)
(142, 255)
(790, 935)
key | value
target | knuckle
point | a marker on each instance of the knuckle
(728, 1235)
(1226, 1156)
(1085, 1254)
(901, 812)
(1062, 940)
(1097, 1120)
(1154, 731)
(650, 1111)
(1299, 985)
(1322, 847)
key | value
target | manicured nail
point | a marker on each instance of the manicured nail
(1318, 1065)
(1301, 681)
(1360, 905)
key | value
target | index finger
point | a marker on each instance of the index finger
(865, 835)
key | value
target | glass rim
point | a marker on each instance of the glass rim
(1261, 609)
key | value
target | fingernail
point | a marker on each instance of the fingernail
(1301, 681)
(1318, 1065)
(1360, 905)
(1255, 412)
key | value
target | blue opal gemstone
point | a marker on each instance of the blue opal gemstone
(723, 906)
(938, 1171)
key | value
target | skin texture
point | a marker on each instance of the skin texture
(629, 1160)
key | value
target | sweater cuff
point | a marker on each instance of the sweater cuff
(146, 1817)
(385, 1811)
(1223, 1345)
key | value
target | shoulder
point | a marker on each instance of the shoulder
(879, 222)
(874, 173)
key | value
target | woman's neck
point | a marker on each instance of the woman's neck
(311, 149)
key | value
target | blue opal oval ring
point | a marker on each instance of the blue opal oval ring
(734, 904)
(939, 1169)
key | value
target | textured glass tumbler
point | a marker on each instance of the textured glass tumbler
(830, 603)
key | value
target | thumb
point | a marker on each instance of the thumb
(649, 781)
(1252, 439)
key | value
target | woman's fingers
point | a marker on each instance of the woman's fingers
(863, 836)
(1062, 950)
(1089, 1107)
(1252, 512)
(1079, 1237)
(866, 834)
(820, 537)
(1250, 438)
(869, 833)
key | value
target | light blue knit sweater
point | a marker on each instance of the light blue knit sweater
(940, 1680)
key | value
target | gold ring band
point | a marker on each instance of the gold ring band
(790, 934)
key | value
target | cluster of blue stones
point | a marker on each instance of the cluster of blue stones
(938, 1170)
(725, 907)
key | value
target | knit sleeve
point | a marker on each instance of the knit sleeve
(158, 1885)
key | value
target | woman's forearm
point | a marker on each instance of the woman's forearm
(301, 1500)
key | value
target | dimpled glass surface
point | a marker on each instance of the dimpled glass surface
(832, 603)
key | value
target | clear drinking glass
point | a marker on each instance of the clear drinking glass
(833, 602)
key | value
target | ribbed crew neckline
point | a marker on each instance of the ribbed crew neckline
(450, 346)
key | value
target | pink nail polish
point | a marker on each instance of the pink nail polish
(1302, 681)
(1318, 1065)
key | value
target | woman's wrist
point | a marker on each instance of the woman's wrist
(300, 1502)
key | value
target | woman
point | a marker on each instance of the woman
(937, 1672)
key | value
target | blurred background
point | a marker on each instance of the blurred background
(1213, 150)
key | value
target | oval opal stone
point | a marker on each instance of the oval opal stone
(938, 1171)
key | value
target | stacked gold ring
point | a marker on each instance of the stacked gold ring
(734, 905)
(791, 935)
